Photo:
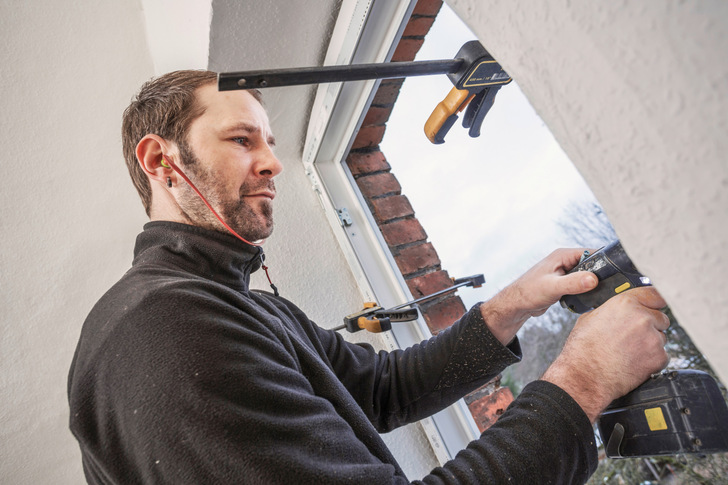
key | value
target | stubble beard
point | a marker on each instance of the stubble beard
(236, 212)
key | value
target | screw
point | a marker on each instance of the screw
(686, 410)
(697, 442)
(242, 82)
(262, 83)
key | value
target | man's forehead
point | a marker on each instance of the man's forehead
(232, 109)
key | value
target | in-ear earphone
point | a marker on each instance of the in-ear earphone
(164, 163)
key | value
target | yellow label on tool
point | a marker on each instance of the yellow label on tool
(621, 288)
(655, 419)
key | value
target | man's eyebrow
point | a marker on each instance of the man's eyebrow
(247, 127)
(243, 126)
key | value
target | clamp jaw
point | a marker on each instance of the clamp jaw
(376, 319)
(476, 85)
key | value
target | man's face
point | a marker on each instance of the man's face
(229, 157)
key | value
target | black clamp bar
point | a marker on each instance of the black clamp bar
(374, 318)
(474, 73)
(272, 78)
(475, 281)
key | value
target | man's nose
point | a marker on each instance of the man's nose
(268, 163)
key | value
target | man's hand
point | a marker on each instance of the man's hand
(534, 292)
(612, 350)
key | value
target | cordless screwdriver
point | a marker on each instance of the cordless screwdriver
(678, 411)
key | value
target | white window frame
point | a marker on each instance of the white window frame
(367, 31)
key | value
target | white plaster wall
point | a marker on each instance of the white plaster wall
(178, 33)
(68, 211)
(637, 95)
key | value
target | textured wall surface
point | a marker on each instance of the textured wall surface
(178, 33)
(68, 211)
(637, 95)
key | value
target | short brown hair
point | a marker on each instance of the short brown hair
(164, 106)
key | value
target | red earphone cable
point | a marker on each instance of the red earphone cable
(189, 182)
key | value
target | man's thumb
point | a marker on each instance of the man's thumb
(578, 282)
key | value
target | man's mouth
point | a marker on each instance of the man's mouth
(266, 194)
(265, 190)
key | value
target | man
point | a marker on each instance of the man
(184, 375)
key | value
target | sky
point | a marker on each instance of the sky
(489, 204)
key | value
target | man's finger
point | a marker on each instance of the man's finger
(571, 257)
(663, 321)
(649, 297)
(576, 283)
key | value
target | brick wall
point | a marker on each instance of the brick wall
(416, 258)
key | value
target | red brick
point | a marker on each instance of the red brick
(417, 258)
(418, 26)
(368, 136)
(489, 388)
(388, 208)
(403, 231)
(407, 50)
(488, 409)
(387, 93)
(429, 283)
(377, 115)
(427, 7)
(361, 163)
(444, 313)
(378, 184)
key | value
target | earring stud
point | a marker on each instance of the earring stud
(169, 182)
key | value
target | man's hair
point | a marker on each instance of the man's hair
(164, 106)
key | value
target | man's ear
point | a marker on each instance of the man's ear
(149, 153)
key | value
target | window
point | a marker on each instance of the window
(337, 113)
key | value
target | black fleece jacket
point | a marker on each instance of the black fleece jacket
(183, 375)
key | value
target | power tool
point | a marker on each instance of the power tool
(678, 411)
(615, 271)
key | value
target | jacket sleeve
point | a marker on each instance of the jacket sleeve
(544, 437)
(404, 386)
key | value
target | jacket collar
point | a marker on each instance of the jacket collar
(214, 255)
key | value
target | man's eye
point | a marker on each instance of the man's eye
(242, 140)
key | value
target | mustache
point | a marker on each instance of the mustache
(255, 186)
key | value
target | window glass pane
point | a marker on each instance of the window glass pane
(489, 204)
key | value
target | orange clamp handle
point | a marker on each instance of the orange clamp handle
(374, 325)
(445, 114)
